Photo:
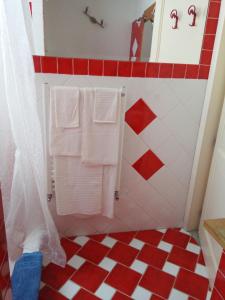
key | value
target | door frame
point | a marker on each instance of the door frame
(208, 129)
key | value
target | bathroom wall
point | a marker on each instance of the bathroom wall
(158, 154)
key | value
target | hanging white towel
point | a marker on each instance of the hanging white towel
(64, 140)
(78, 187)
(100, 141)
(66, 106)
(106, 105)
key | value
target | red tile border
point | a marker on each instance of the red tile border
(78, 66)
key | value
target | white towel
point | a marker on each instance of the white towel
(66, 106)
(100, 141)
(63, 141)
(78, 187)
(106, 105)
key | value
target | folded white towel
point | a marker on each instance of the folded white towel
(78, 187)
(100, 141)
(106, 105)
(63, 141)
(66, 106)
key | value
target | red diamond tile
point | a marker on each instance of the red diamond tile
(192, 71)
(46, 293)
(204, 72)
(37, 63)
(97, 237)
(192, 284)
(152, 237)
(65, 65)
(220, 283)
(123, 253)
(56, 276)
(110, 68)
(201, 259)
(177, 238)
(119, 296)
(179, 71)
(148, 165)
(153, 256)
(193, 241)
(123, 279)
(139, 116)
(89, 276)
(222, 264)
(124, 68)
(125, 237)
(95, 67)
(49, 64)
(215, 295)
(80, 66)
(208, 42)
(183, 258)
(139, 69)
(84, 295)
(157, 282)
(211, 26)
(152, 70)
(206, 57)
(214, 10)
(166, 70)
(70, 247)
(93, 251)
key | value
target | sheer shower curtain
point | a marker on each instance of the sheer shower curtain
(21, 148)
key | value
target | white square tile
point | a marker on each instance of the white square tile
(137, 244)
(81, 240)
(139, 266)
(209, 295)
(177, 295)
(201, 270)
(69, 289)
(185, 231)
(193, 248)
(141, 294)
(76, 262)
(109, 242)
(105, 292)
(163, 230)
(165, 246)
(107, 264)
(171, 269)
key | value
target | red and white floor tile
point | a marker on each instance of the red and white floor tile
(143, 265)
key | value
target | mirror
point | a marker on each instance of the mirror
(136, 30)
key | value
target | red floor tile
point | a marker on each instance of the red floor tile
(85, 295)
(175, 237)
(183, 258)
(153, 256)
(220, 283)
(119, 296)
(89, 276)
(123, 279)
(215, 295)
(56, 276)
(46, 293)
(157, 282)
(154, 297)
(123, 253)
(93, 251)
(97, 237)
(125, 237)
(152, 237)
(192, 284)
(70, 248)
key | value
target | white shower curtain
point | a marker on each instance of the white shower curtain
(21, 148)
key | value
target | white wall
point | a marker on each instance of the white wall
(68, 32)
(38, 27)
(184, 44)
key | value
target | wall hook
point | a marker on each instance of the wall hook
(93, 19)
(174, 15)
(192, 11)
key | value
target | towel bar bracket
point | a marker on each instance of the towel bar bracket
(117, 196)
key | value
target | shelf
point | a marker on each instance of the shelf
(216, 228)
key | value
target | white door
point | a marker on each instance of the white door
(181, 45)
(214, 203)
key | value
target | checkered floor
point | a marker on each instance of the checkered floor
(152, 264)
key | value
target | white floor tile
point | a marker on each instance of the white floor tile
(137, 244)
(69, 289)
(177, 295)
(163, 230)
(105, 292)
(76, 262)
(109, 242)
(107, 264)
(165, 246)
(171, 269)
(201, 270)
(139, 266)
(81, 240)
(141, 294)
(193, 248)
